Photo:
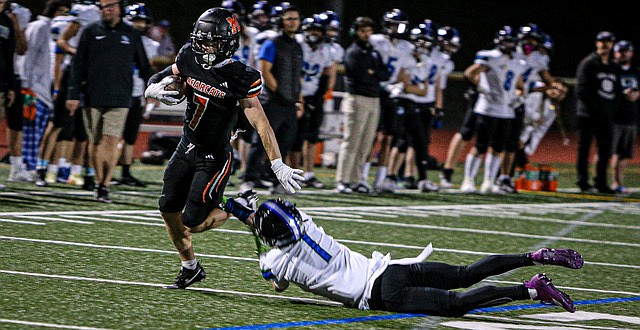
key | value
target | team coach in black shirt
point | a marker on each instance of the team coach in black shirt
(364, 71)
(102, 70)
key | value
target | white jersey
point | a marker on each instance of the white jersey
(497, 86)
(243, 54)
(151, 49)
(337, 52)
(319, 264)
(23, 15)
(258, 41)
(395, 53)
(314, 63)
(58, 24)
(84, 15)
(418, 72)
(536, 62)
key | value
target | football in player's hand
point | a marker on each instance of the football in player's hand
(176, 85)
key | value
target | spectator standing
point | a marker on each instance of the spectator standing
(160, 33)
(37, 82)
(625, 116)
(280, 63)
(14, 19)
(364, 71)
(104, 62)
(597, 93)
(7, 72)
(140, 17)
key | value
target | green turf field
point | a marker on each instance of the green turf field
(68, 262)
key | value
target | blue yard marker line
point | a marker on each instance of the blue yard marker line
(407, 316)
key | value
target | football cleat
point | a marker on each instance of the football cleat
(186, 277)
(312, 183)
(131, 181)
(444, 183)
(102, 195)
(427, 186)
(76, 180)
(486, 187)
(362, 188)
(410, 183)
(547, 293)
(343, 188)
(468, 186)
(387, 186)
(560, 257)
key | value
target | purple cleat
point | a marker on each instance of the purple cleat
(548, 293)
(561, 257)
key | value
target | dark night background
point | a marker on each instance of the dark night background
(572, 24)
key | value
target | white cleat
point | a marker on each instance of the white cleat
(444, 183)
(486, 187)
(427, 186)
(468, 186)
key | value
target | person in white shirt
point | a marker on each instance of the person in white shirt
(396, 54)
(294, 249)
(37, 82)
(497, 73)
(317, 63)
(139, 16)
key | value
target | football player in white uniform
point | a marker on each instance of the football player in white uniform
(529, 39)
(333, 27)
(64, 142)
(317, 63)
(396, 52)
(294, 249)
(497, 73)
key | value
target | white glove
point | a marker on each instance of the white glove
(156, 91)
(287, 175)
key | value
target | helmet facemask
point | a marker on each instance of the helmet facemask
(211, 51)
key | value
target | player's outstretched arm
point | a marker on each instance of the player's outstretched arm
(286, 175)
(158, 82)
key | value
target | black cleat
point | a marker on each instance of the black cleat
(131, 181)
(187, 277)
(89, 183)
(102, 195)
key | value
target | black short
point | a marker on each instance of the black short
(73, 128)
(134, 119)
(60, 112)
(624, 140)
(194, 182)
(491, 132)
(515, 129)
(312, 119)
(387, 114)
(14, 112)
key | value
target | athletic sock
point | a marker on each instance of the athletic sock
(381, 174)
(447, 173)
(308, 176)
(366, 167)
(190, 264)
(126, 170)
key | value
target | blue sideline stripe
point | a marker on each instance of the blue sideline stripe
(320, 251)
(407, 316)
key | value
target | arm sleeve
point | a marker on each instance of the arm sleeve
(79, 66)
(268, 51)
(160, 75)
(584, 90)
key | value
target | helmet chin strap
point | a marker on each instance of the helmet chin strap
(209, 58)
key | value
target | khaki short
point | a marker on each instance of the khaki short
(104, 121)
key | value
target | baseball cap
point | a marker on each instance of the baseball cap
(164, 23)
(623, 45)
(605, 36)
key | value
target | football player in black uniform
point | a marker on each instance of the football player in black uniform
(197, 173)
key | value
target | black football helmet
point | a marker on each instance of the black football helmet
(235, 7)
(215, 36)
(278, 223)
(449, 39)
(332, 24)
(276, 14)
(261, 8)
(529, 37)
(505, 40)
(395, 23)
(423, 35)
(313, 23)
(137, 11)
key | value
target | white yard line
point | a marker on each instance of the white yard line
(23, 222)
(520, 321)
(571, 288)
(48, 325)
(127, 248)
(160, 285)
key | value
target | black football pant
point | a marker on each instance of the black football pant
(424, 288)
(599, 128)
